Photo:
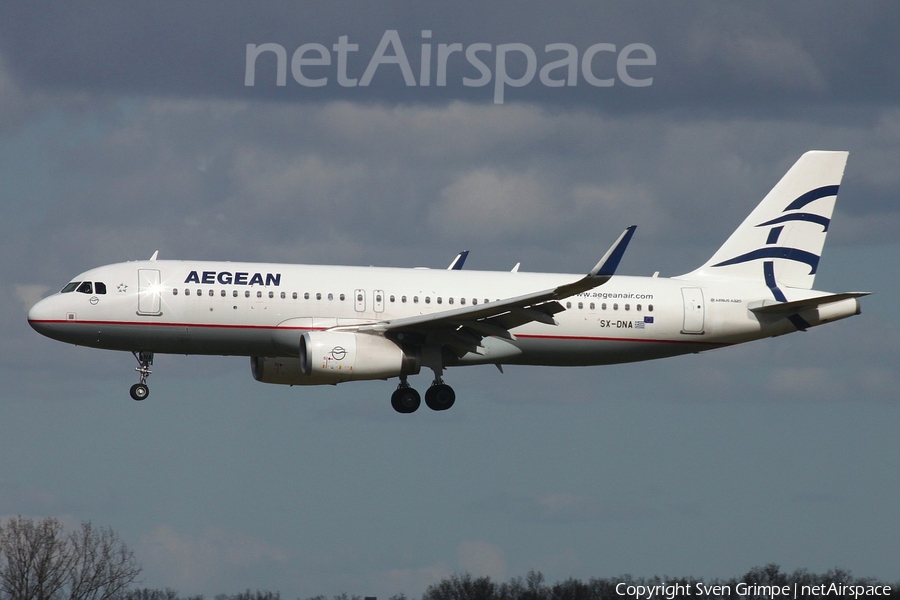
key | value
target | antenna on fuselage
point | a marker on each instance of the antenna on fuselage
(155, 254)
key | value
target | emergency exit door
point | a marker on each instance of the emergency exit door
(694, 311)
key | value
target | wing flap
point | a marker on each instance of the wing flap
(542, 313)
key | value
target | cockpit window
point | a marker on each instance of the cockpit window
(85, 288)
(70, 287)
(99, 287)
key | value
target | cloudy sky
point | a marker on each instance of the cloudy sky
(127, 128)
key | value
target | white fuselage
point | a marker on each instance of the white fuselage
(261, 309)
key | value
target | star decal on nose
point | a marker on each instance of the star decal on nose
(122, 287)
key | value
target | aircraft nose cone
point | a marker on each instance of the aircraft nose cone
(39, 315)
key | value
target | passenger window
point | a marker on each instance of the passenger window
(603, 306)
(342, 297)
(568, 305)
(449, 300)
(377, 297)
(294, 295)
(474, 300)
(592, 306)
(199, 292)
(318, 296)
(392, 297)
(638, 308)
(283, 295)
(223, 293)
(234, 293)
(86, 288)
(627, 307)
(70, 287)
(306, 296)
(462, 301)
(581, 305)
(331, 296)
(615, 306)
(271, 294)
(650, 307)
(174, 291)
(212, 293)
(439, 301)
(99, 287)
(415, 299)
(247, 294)
(427, 299)
(259, 294)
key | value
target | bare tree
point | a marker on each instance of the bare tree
(39, 561)
(101, 566)
(32, 559)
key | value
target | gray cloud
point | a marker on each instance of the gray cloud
(711, 57)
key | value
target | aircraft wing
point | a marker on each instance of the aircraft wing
(466, 326)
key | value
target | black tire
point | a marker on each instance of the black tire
(440, 397)
(406, 400)
(139, 391)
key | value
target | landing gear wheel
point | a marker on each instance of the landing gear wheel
(405, 400)
(440, 396)
(139, 391)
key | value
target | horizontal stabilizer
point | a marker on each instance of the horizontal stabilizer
(787, 308)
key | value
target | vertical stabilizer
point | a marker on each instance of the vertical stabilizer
(782, 239)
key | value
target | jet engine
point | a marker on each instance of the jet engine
(329, 357)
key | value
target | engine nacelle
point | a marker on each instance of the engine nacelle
(329, 357)
(283, 370)
(347, 356)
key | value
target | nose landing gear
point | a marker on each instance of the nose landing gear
(139, 391)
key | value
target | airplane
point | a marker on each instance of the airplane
(319, 325)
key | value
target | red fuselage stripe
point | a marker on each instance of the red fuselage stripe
(274, 327)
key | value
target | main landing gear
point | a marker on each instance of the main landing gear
(139, 391)
(439, 396)
(405, 399)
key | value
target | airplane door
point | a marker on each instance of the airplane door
(148, 292)
(360, 300)
(378, 297)
(693, 310)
